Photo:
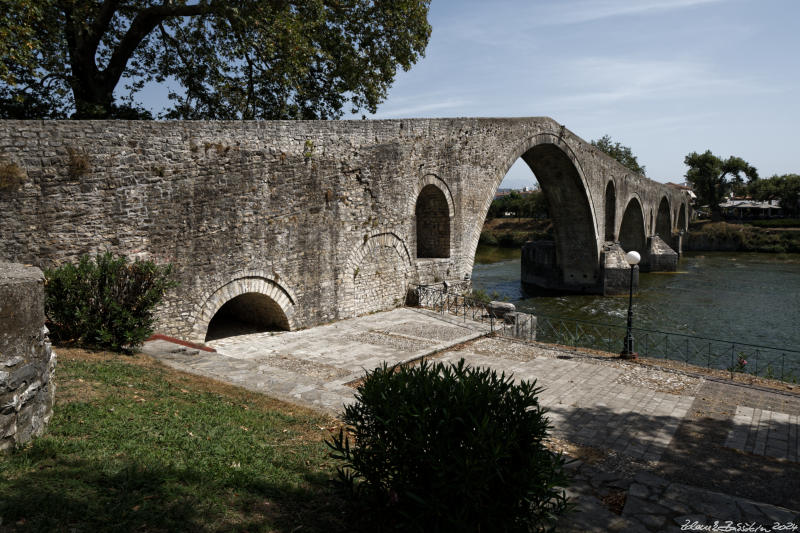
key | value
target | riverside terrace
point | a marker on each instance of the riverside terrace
(658, 448)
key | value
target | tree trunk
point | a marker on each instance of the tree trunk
(92, 100)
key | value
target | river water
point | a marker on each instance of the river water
(744, 297)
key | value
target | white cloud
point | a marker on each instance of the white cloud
(591, 10)
(418, 107)
(605, 81)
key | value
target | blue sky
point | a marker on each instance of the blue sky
(665, 77)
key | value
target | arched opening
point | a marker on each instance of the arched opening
(432, 216)
(611, 211)
(540, 227)
(251, 312)
(631, 231)
(682, 217)
(575, 248)
(663, 222)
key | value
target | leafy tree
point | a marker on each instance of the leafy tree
(271, 59)
(785, 189)
(712, 178)
(621, 153)
(530, 205)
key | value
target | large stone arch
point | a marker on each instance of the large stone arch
(246, 283)
(632, 233)
(610, 208)
(663, 227)
(376, 275)
(562, 180)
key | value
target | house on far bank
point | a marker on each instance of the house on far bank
(744, 208)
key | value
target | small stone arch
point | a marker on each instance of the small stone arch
(632, 234)
(433, 210)
(376, 275)
(279, 298)
(682, 217)
(610, 220)
(431, 179)
(663, 225)
(432, 224)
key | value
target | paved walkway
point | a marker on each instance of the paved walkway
(668, 449)
(313, 366)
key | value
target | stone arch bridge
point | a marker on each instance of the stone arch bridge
(292, 224)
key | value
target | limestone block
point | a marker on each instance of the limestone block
(28, 362)
(499, 309)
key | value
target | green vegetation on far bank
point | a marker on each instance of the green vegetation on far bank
(135, 446)
(779, 235)
(514, 232)
(750, 237)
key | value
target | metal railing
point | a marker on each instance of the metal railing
(733, 356)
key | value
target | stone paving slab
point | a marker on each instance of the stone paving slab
(589, 406)
(653, 503)
(765, 432)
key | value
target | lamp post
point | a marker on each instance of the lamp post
(633, 259)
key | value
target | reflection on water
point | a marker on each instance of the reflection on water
(747, 297)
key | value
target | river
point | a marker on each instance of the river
(744, 297)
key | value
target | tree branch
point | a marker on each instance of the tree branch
(100, 25)
(144, 23)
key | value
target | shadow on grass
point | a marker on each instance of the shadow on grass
(70, 494)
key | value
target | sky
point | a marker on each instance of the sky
(664, 77)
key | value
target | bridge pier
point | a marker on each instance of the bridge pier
(541, 274)
(659, 256)
(616, 272)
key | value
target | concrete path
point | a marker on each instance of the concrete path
(671, 450)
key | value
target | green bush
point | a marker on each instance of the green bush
(488, 237)
(104, 302)
(775, 223)
(440, 447)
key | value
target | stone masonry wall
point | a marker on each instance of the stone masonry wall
(297, 207)
(27, 363)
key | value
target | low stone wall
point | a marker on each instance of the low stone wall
(27, 362)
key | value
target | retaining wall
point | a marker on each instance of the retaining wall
(27, 362)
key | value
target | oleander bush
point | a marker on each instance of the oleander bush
(104, 302)
(440, 447)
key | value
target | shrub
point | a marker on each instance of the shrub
(441, 447)
(12, 176)
(104, 302)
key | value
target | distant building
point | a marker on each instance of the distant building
(683, 187)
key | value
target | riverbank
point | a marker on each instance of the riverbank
(763, 236)
(514, 232)
(706, 236)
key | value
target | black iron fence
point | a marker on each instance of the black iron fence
(733, 356)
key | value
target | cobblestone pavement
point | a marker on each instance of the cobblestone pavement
(667, 451)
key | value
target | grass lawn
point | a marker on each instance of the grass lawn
(135, 446)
